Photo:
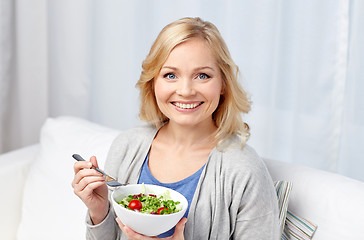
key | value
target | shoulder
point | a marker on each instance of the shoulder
(239, 163)
(132, 141)
(136, 134)
(143, 130)
(243, 170)
(129, 148)
(234, 154)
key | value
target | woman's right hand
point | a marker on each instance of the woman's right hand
(131, 235)
(89, 185)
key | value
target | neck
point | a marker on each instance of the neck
(189, 136)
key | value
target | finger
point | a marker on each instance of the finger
(85, 176)
(83, 173)
(121, 225)
(127, 230)
(93, 160)
(81, 165)
(180, 227)
(130, 233)
(124, 228)
(85, 181)
(88, 190)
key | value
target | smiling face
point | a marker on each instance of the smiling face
(189, 85)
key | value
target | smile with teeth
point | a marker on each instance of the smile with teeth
(186, 105)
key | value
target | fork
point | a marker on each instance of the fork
(110, 181)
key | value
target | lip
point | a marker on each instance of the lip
(180, 109)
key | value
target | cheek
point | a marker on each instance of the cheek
(158, 90)
(217, 101)
(216, 92)
(161, 91)
(216, 96)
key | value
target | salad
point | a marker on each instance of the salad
(151, 203)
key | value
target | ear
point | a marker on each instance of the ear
(223, 87)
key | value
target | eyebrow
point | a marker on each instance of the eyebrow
(196, 69)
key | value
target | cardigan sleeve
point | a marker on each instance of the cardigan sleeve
(106, 230)
(260, 228)
(256, 203)
(235, 199)
(264, 227)
(124, 161)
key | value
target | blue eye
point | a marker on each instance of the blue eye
(169, 76)
(203, 76)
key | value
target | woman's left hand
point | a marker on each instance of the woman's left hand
(178, 233)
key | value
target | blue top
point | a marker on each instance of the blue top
(186, 186)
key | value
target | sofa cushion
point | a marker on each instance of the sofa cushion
(50, 208)
(14, 168)
(298, 228)
(332, 201)
(283, 189)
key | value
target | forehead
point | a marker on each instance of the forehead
(191, 52)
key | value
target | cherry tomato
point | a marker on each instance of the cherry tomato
(135, 204)
(161, 209)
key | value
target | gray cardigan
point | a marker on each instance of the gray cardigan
(234, 199)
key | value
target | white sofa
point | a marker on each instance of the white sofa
(37, 200)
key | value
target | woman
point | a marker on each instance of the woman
(195, 144)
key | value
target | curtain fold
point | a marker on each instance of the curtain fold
(301, 61)
(69, 57)
(351, 160)
(7, 60)
(23, 82)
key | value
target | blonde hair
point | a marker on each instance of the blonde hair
(233, 101)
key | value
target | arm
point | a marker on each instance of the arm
(107, 229)
(90, 187)
(260, 228)
(257, 216)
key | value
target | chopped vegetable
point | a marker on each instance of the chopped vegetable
(135, 205)
(161, 210)
(151, 203)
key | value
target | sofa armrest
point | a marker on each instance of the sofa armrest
(332, 201)
(13, 172)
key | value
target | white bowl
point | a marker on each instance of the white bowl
(143, 223)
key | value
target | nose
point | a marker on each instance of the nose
(186, 88)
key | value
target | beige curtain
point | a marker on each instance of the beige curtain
(43, 66)
(23, 72)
